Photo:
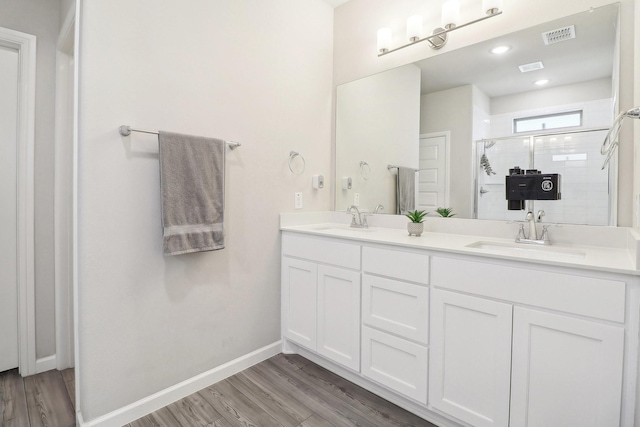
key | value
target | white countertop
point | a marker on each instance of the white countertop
(616, 260)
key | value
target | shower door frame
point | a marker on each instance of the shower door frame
(612, 171)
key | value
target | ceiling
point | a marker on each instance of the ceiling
(587, 57)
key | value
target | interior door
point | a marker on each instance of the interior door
(433, 172)
(8, 213)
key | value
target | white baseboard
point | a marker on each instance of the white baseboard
(46, 364)
(176, 392)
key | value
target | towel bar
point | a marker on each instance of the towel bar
(126, 131)
(396, 167)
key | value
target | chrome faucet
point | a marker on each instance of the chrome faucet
(378, 208)
(532, 237)
(356, 221)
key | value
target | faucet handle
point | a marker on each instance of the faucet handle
(520, 235)
(540, 215)
(365, 224)
(545, 233)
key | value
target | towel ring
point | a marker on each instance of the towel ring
(365, 170)
(293, 155)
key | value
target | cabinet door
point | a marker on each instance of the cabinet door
(470, 358)
(566, 371)
(299, 301)
(396, 363)
(339, 315)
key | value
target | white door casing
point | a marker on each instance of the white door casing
(8, 214)
(25, 46)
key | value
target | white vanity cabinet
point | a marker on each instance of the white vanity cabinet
(395, 320)
(561, 364)
(460, 339)
(565, 371)
(300, 301)
(470, 358)
(321, 297)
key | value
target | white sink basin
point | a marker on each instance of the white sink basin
(531, 251)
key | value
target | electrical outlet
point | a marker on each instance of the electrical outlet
(356, 199)
(298, 199)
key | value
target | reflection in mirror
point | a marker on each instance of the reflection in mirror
(575, 156)
(472, 94)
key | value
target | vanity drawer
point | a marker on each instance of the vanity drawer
(586, 296)
(396, 263)
(397, 307)
(395, 363)
(322, 250)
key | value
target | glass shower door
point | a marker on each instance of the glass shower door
(494, 158)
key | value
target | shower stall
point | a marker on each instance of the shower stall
(588, 190)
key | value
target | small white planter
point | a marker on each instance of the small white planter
(415, 228)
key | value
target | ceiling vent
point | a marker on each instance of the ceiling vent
(559, 35)
(533, 66)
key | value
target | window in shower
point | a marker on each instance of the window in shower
(547, 122)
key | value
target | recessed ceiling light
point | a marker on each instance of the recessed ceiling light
(498, 50)
(542, 82)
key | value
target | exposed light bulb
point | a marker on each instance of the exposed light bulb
(414, 28)
(384, 39)
(450, 14)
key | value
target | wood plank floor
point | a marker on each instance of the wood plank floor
(284, 391)
(43, 400)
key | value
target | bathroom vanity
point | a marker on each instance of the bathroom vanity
(467, 330)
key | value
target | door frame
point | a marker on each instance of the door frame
(25, 44)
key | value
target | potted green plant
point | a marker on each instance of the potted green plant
(445, 212)
(416, 226)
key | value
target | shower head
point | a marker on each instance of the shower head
(489, 144)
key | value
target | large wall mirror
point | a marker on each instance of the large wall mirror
(460, 120)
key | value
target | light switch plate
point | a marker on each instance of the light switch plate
(356, 199)
(298, 200)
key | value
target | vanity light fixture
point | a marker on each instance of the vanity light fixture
(384, 39)
(499, 50)
(450, 14)
(414, 28)
(438, 38)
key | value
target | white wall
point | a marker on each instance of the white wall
(377, 121)
(452, 110)
(40, 18)
(357, 21)
(574, 93)
(256, 72)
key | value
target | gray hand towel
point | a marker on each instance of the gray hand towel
(192, 181)
(405, 190)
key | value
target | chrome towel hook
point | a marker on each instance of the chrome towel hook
(292, 156)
